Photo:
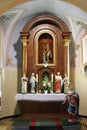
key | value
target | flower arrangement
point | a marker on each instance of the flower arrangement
(46, 84)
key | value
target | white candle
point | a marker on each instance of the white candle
(51, 77)
(37, 77)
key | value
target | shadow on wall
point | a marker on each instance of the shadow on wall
(18, 48)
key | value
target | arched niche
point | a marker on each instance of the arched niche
(46, 19)
(43, 39)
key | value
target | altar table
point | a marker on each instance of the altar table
(41, 97)
(41, 104)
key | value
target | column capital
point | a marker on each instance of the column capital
(24, 34)
(66, 42)
(66, 38)
(24, 42)
(25, 37)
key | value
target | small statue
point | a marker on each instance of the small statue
(33, 81)
(66, 84)
(24, 81)
(58, 83)
(47, 54)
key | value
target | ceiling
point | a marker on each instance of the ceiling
(8, 4)
(16, 13)
(19, 12)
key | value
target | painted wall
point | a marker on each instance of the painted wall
(80, 83)
(9, 89)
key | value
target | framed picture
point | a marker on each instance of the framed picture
(45, 48)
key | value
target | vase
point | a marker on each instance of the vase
(51, 91)
(45, 91)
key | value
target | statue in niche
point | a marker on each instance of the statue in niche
(33, 81)
(47, 54)
(24, 81)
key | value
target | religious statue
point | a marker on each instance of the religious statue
(58, 83)
(66, 84)
(24, 81)
(72, 98)
(33, 81)
(44, 57)
(47, 54)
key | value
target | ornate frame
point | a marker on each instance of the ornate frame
(36, 46)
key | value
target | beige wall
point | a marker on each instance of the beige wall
(9, 89)
(80, 83)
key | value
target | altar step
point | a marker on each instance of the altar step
(46, 115)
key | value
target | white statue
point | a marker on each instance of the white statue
(33, 81)
(24, 81)
(47, 55)
(66, 84)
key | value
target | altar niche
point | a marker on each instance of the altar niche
(45, 79)
(45, 41)
(45, 47)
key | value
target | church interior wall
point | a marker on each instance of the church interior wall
(9, 105)
(79, 81)
(10, 85)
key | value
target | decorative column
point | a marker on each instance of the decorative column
(37, 83)
(25, 41)
(52, 81)
(66, 39)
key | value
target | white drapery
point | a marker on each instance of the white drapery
(41, 97)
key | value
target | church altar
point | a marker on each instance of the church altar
(47, 105)
(40, 69)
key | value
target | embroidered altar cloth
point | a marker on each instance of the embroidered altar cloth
(40, 97)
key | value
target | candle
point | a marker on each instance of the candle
(51, 77)
(37, 83)
(37, 77)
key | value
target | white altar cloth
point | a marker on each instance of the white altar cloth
(40, 97)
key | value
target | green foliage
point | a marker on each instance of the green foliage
(46, 84)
